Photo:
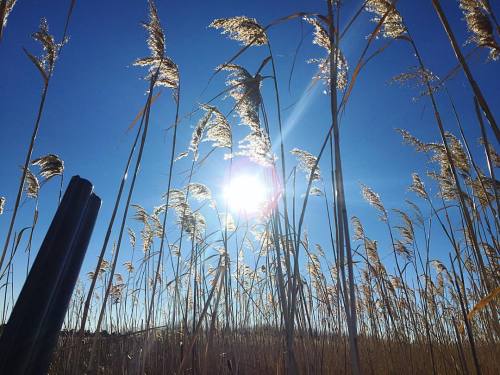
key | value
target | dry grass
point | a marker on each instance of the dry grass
(191, 294)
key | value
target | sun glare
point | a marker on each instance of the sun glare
(246, 194)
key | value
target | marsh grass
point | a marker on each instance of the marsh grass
(228, 295)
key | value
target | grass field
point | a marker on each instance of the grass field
(272, 273)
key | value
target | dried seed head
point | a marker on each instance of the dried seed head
(322, 39)
(132, 237)
(168, 73)
(156, 36)
(374, 199)
(31, 185)
(438, 266)
(160, 66)
(359, 233)
(257, 147)
(245, 90)
(495, 158)
(460, 158)
(419, 77)
(198, 134)
(418, 186)
(243, 29)
(307, 162)
(2, 204)
(393, 26)
(413, 141)
(198, 191)
(140, 213)
(45, 63)
(480, 26)
(50, 165)
(218, 128)
(9, 5)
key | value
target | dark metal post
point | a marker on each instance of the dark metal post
(31, 333)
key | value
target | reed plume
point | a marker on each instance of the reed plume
(322, 39)
(161, 67)
(242, 29)
(50, 165)
(32, 186)
(479, 25)
(307, 162)
(6, 7)
(393, 26)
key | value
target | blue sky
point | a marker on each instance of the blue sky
(96, 92)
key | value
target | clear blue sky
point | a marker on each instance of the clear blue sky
(96, 92)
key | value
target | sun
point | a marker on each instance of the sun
(246, 194)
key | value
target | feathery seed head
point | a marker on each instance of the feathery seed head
(242, 29)
(374, 199)
(198, 191)
(480, 26)
(307, 162)
(50, 165)
(31, 185)
(8, 8)
(393, 26)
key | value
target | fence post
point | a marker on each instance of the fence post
(31, 333)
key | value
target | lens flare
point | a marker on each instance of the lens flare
(246, 194)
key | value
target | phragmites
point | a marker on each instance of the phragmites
(2, 204)
(374, 199)
(46, 62)
(198, 134)
(156, 36)
(161, 68)
(31, 185)
(406, 230)
(257, 147)
(445, 179)
(439, 267)
(495, 158)
(214, 126)
(132, 237)
(418, 186)
(218, 128)
(460, 158)
(417, 74)
(458, 155)
(152, 226)
(5, 9)
(307, 162)
(483, 188)
(245, 90)
(413, 141)
(242, 29)
(480, 26)
(359, 233)
(393, 26)
(193, 223)
(198, 191)
(128, 266)
(50, 165)
(322, 39)
(420, 77)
